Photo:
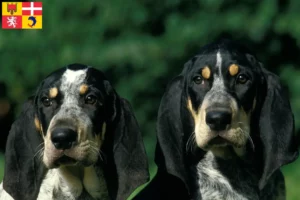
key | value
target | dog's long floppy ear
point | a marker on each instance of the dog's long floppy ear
(24, 170)
(129, 152)
(127, 164)
(170, 149)
(111, 104)
(276, 126)
(169, 154)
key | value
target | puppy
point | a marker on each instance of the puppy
(75, 139)
(225, 127)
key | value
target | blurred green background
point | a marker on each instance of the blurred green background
(141, 45)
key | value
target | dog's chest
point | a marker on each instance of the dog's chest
(215, 183)
(72, 184)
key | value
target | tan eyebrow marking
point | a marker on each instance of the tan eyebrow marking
(233, 69)
(53, 92)
(83, 89)
(206, 72)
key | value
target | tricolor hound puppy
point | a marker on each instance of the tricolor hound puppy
(225, 127)
(75, 139)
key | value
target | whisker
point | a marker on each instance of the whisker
(248, 136)
(252, 143)
(39, 145)
(94, 146)
(190, 142)
(39, 154)
(102, 155)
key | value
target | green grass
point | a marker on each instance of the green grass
(153, 170)
(292, 180)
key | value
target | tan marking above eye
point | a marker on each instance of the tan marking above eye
(233, 69)
(83, 89)
(206, 72)
(53, 92)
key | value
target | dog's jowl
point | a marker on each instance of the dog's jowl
(75, 139)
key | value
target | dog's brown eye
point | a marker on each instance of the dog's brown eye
(90, 99)
(197, 79)
(242, 79)
(46, 101)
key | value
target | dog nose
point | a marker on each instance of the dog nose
(218, 120)
(63, 138)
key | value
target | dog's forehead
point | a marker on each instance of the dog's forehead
(72, 80)
(221, 62)
(73, 77)
(68, 73)
(229, 52)
(219, 57)
(75, 74)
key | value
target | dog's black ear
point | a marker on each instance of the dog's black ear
(127, 164)
(129, 152)
(23, 168)
(111, 103)
(276, 126)
(171, 149)
(169, 155)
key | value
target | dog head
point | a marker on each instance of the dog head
(235, 103)
(75, 119)
(71, 116)
(221, 89)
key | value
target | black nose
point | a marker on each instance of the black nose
(63, 138)
(218, 120)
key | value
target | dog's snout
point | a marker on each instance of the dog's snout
(218, 120)
(63, 138)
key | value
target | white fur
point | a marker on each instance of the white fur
(71, 81)
(70, 76)
(3, 194)
(219, 62)
(63, 183)
(218, 83)
(213, 178)
(212, 173)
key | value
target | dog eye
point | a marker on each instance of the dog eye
(197, 79)
(242, 79)
(90, 99)
(46, 101)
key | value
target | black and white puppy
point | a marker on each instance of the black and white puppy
(75, 139)
(225, 127)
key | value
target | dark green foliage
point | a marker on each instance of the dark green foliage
(141, 45)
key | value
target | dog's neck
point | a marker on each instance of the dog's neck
(229, 178)
(74, 182)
